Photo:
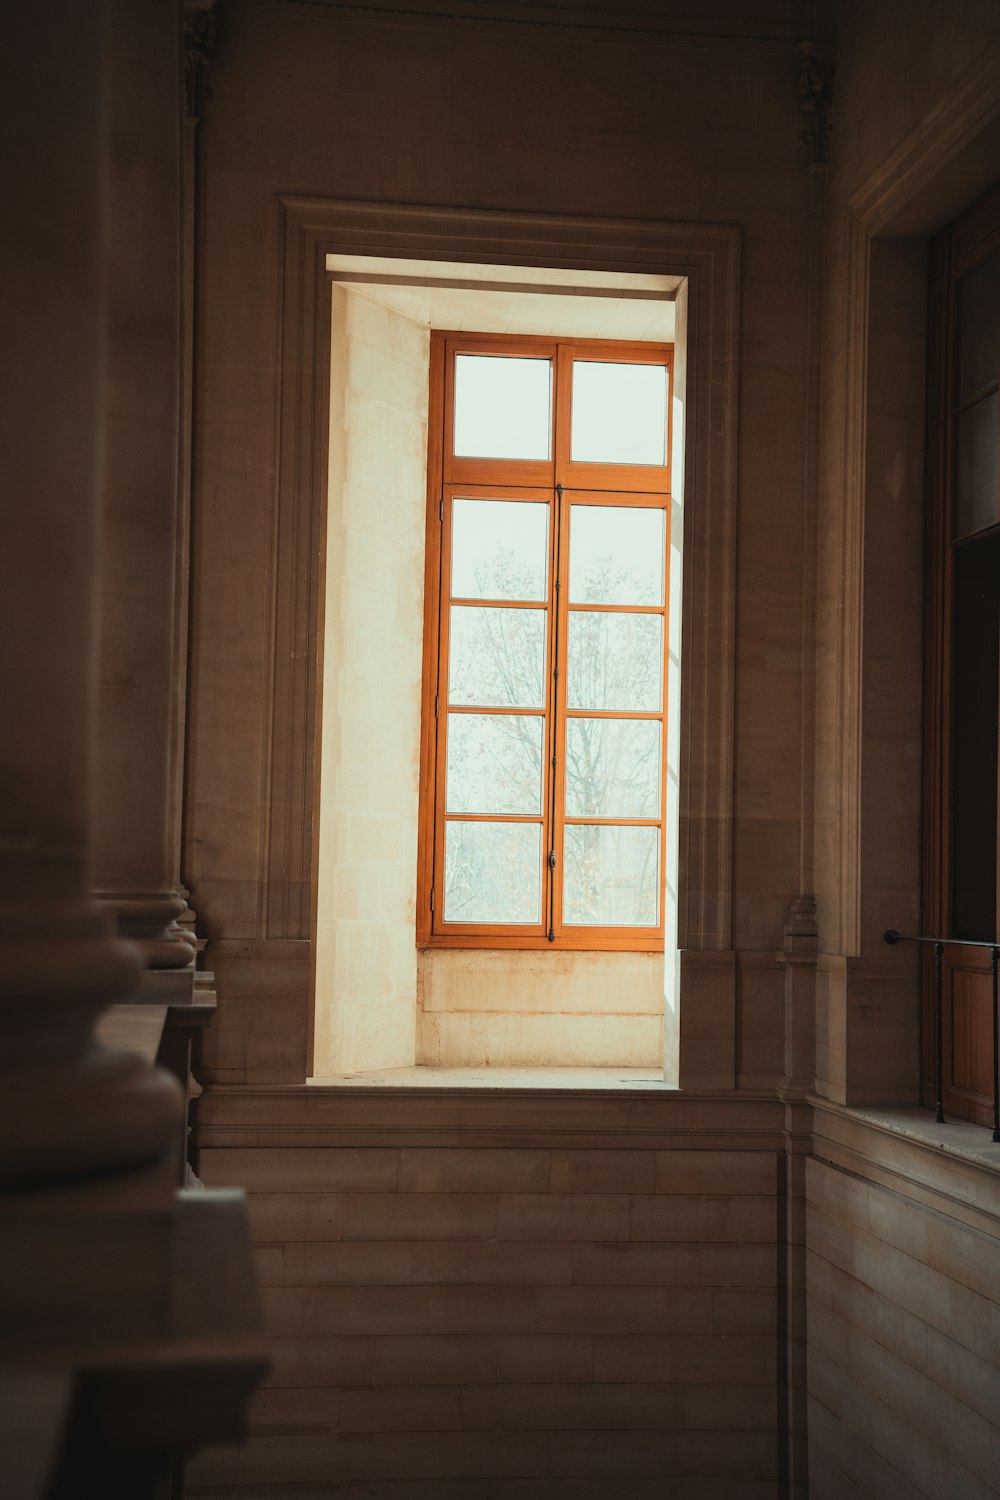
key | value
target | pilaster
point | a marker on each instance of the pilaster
(137, 789)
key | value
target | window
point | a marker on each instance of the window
(963, 667)
(543, 756)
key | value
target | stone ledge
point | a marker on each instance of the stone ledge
(953, 1168)
(360, 1115)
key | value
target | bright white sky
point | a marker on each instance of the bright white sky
(619, 413)
(503, 409)
(500, 551)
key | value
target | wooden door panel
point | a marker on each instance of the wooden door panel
(971, 1030)
(967, 995)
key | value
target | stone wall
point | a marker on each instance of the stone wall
(509, 1009)
(489, 1321)
(902, 1317)
(366, 962)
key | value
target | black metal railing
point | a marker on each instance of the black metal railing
(939, 945)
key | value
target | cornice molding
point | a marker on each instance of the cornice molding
(317, 1115)
(963, 113)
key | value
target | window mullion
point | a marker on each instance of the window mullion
(560, 597)
(559, 714)
(556, 677)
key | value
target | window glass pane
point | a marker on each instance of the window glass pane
(979, 329)
(612, 768)
(497, 657)
(493, 872)
(495, 763)
(615, 661)
(499, 549)
(976, 468)
(616, 555)
(619, 413)
(611, 876)
(503, 407)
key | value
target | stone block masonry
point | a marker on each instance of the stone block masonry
(902, 1343)
(491, 1322)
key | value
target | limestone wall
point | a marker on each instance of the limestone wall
(902, 1310)
(370, 717)
(485, 1321)
(519, 1009)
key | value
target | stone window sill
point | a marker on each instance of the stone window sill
(499, 1079)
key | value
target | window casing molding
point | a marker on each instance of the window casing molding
(707, 256)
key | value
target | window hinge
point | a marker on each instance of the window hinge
(436, 705)
(441, 510)
(432, 898)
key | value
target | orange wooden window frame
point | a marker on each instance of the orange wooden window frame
(451, 477)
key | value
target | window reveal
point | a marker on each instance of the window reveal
(544, 698)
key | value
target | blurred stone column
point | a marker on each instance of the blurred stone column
(67, 1107)
(137, 785)
(127, 1309)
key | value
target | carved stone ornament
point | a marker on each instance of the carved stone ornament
(814, 86)
(801, 921)
(199, 46)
